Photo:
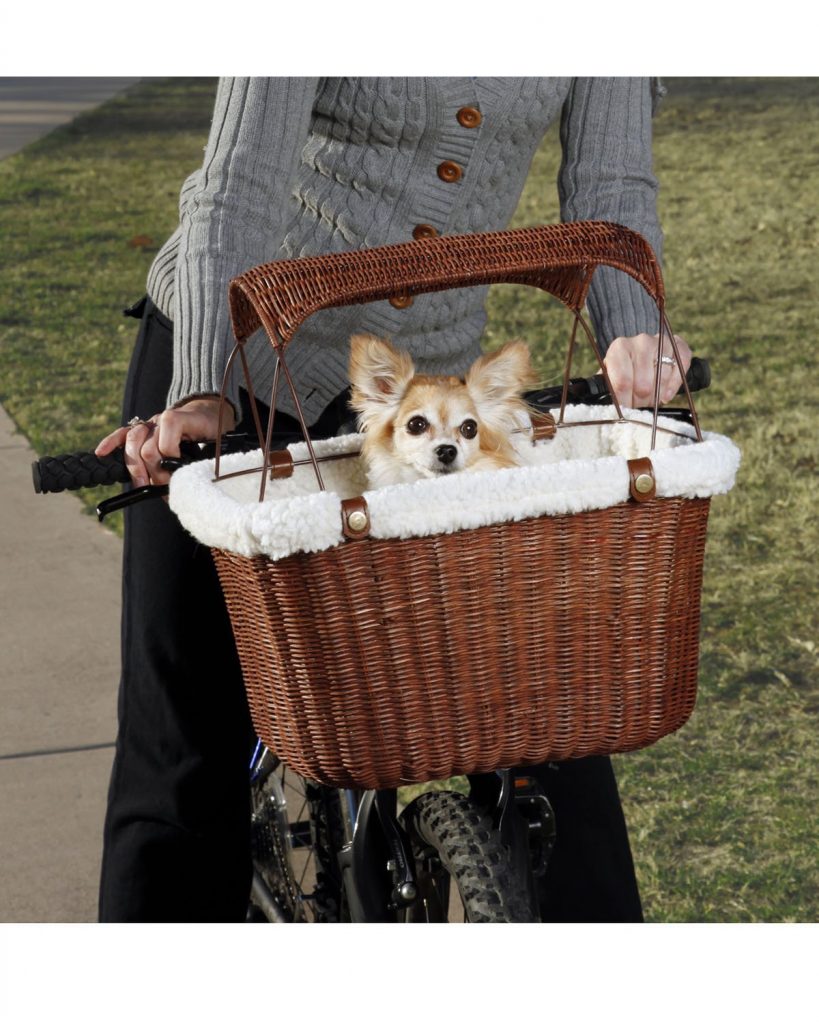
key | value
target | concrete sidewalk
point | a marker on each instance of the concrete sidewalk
(59, 632)
(32, 107)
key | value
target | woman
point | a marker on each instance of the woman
(296, 167)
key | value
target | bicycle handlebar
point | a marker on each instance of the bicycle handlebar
(594, 390)
(54, 473)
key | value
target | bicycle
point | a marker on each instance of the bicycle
(322, 854)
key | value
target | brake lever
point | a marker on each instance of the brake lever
(132, 497)
(192, 451)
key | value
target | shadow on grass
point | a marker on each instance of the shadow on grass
(165, 107)
(747, 92)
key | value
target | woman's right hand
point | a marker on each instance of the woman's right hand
(147, 442)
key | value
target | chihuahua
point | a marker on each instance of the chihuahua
(417, 426)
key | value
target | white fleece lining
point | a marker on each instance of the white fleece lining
(581, 468)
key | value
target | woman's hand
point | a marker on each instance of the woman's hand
(631, 363)
(147, 442)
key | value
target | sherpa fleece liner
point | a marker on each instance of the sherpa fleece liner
(582, 467)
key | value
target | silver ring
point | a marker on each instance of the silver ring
(136, 421)
(666, 360)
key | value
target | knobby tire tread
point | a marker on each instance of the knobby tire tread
(470, 849)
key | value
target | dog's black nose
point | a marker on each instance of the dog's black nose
(446, 453)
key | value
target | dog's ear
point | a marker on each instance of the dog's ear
(501, 376)
(379, 373)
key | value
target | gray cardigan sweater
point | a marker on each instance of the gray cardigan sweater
(301, 166)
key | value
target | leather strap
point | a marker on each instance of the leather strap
(281, 464)
(642, 484)
(355, 519)
(543, 425)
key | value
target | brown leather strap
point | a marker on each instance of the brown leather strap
(543, 425)
(281, 464)
(355, 518)
(642, 484)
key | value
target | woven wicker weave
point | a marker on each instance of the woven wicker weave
(560, 258)
(383, 662)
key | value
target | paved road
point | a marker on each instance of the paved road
(59, 631)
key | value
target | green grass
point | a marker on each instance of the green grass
(82, 214)
(722, 814)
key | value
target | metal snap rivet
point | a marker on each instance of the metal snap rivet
(644, 483)
(357, 521)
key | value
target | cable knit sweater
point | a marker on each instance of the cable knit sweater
(301, 166)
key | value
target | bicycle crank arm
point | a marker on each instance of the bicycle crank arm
(265, 900)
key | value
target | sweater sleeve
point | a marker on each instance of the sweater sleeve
(606, 174)
(232, 217)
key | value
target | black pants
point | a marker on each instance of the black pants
(177, 831)
(590, 877)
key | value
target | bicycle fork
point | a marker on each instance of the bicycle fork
(378, 842)
(378, 865)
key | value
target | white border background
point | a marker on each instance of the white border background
(443, 37)
(362, 973)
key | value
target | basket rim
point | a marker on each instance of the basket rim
(301, 519)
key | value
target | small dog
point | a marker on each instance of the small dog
(418, 426)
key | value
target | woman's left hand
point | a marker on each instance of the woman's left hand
(147, 442)
(631, 363)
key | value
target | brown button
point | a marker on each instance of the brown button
(424, 231)
(469, 117)
(401, 301)
(449, 171)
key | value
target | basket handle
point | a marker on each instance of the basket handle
(559, 258)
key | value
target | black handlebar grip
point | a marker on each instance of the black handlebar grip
(699, 374)
(53, 473)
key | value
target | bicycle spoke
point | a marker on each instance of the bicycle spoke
(298, 856)
(308, 863)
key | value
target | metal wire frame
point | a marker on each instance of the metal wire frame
(314, 460)
(252, 298)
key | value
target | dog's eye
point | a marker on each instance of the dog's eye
(469, 428)
(417, 425)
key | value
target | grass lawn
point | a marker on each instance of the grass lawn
(722, 814)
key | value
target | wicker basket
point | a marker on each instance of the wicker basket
(381, 661)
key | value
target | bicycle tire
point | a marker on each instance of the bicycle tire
(453, 841)
(296, 832)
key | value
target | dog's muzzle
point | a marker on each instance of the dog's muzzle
(446, 454)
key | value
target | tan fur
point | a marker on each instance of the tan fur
(387, 394)
(378, 372)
